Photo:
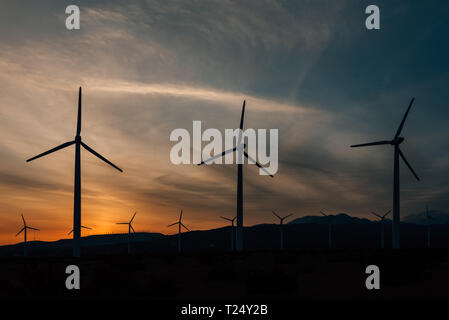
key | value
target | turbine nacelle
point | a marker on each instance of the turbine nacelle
(241, 147)
(397, 141)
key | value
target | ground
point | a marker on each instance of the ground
(273, 275)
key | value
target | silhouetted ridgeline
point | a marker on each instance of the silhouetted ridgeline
(439, 217)
(308, 232)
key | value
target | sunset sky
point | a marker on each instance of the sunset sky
(308, 68)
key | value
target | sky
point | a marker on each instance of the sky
(310, 69)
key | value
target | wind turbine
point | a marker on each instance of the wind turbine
(179, 223)
(329, 227)
(240, 148)
(397, 140)
(382, 227)
(77, 189)
(24, 229)
(130, 227)
(281, 227)
(232, 230)
(83, 227)
(429, 223)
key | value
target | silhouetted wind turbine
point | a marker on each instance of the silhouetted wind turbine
(77, 190)
(232, 230)
(397, 140)
(240, 148)
(281, 227)
(130, 227)
(83, 227)
(179, 223)
(24, 229)
(429, 223)
(382, 227)
(329, 227)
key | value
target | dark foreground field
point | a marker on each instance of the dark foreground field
(292, 274)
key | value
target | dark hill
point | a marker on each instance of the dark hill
(439, 217)
(341, 218)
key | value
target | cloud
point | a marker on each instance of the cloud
(148, 67)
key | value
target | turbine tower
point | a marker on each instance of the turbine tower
(232, 231)
(130, 227)
(429, 223)
(397, 140)
(77, 189)
(240, 148)
(24, 229)
(179, 223)
(329, 227)
(281, 227)
(382, 227)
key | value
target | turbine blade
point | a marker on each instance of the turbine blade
(386, 213)
(172, 224)
(24, 223)
(287, 216)
(133, 217)
(62, 146)
(78, 126)
(226, 218)
(275, 214)
(217, 156)
(239, 140)
(70, 231)
(398, 132)
(33, 228)
(20, 231)
(86, 227)
(185, 227)
(323, 213)
(100, 156)
(132, 228)
(408, 164)
(376, 143)
(180, 216)
(243, 115)
(122, 223)
(377, 215)
(258, 164)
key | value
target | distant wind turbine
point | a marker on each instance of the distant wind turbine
(24, 229)
(130, 227)
(232, 231)
(397, 140)
(83, 227)
(429, 223)
(329, 227)
(281, 227)
(240, 148)
(179, 223)
(77, 190)
(382, 227)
